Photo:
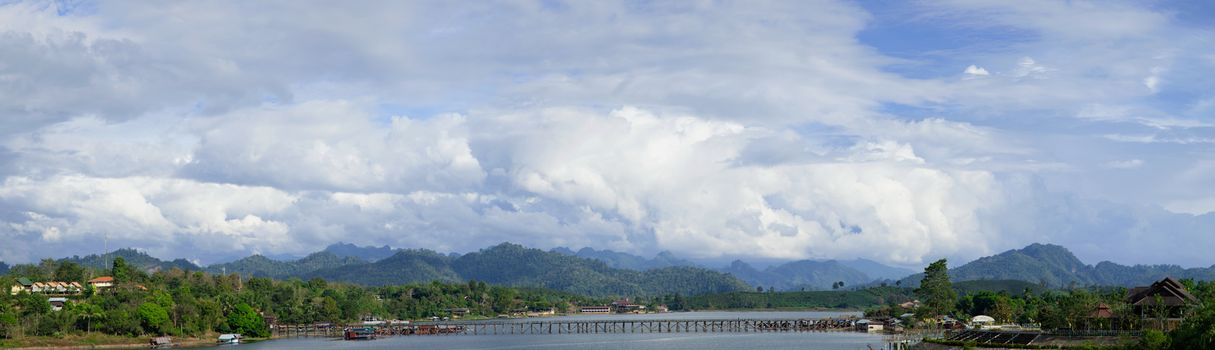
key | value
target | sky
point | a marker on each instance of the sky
(896, 131)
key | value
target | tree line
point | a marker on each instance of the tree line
(193, 303)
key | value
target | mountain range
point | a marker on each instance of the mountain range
(625, 260)
(586, 271)
(605, 272)
(133, 258)
(1054, 266)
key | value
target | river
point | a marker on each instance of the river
(639, 341)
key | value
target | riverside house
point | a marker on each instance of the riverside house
(1161, 305)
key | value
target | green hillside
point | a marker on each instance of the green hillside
(1055, 266)
(134, 258)
(799, 275)
(406, 266)
(851, 299)
(505, 264)
(261, 266)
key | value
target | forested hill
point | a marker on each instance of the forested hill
(514, 265)
(347, 250)
(795, 275)
(799, 275)
(1055, 266)
(134, 258)
(3, 268)
(625, 260)
(876, 270)
(261, 266)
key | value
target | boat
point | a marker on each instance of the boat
(160, 342)
(365, 333)
(230, 338)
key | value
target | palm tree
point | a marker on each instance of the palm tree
(90, 312)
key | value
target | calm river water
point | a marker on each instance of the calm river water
(674, 341)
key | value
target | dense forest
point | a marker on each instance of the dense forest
(504, 264)
(845, 299)
(193, 303)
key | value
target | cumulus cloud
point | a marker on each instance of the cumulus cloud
(333, 145)
(737, 129)
(974, 70)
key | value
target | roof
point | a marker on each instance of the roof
(102, 279)
(982, 318)
(1171, 293)
(25, 281)
(1102, 311)
(57, 299)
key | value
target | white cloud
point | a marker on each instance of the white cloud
(333, 145)
(1152, 82)
(974, 70)
(1124, 164)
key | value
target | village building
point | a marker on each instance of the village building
(458, 312)
(52, 287)
(102, 282)
(23, 285)
(541, 312)
(627, 306)
(595, 309)
(865, 325)
(1161, 305)
(57, 303)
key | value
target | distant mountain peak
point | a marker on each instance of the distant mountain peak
(369, 253)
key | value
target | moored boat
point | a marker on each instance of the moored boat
(230, 338)
(365, 333)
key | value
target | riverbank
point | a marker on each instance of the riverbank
(94, 341)
(1047, 342)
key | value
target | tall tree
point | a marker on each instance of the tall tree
(119, 270)
(154, 317)
(243, 319)
(935, 290)
(68, 271)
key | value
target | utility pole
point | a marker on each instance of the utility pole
(105, 257)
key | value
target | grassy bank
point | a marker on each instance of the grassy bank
(968, 345)
(92, 341)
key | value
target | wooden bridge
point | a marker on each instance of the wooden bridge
(579, 327)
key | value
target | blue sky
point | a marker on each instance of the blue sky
(900, 132)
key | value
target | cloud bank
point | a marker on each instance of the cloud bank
(763, 130)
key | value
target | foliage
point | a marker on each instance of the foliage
(120, 271)
(244, 320)
(1154, 340)
(1198, 330)
(935, 289)
(153, 317)
(856, 299)
(181, 303)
